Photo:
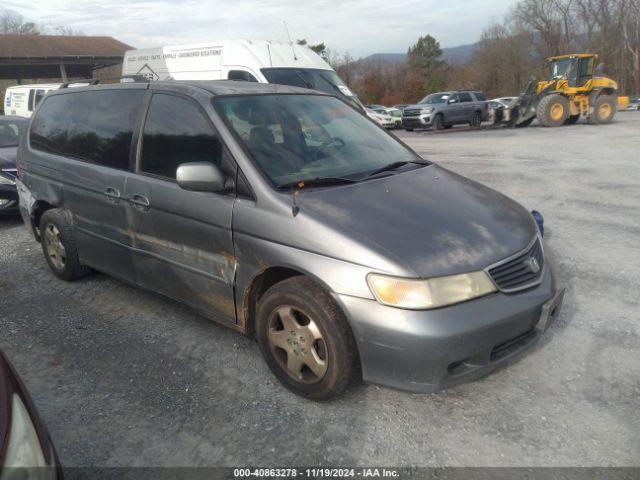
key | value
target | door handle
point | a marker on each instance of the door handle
(141, 202)
(113, 194)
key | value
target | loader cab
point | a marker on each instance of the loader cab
(576, 69)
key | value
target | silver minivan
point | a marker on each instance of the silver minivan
(285, 214)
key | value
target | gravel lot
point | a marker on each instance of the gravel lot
(126, 378)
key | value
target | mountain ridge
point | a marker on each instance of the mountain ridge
(455, 55)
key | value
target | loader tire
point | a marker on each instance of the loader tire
(604, 109)
(553, 110)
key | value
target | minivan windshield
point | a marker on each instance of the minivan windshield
(435, 98)
(297, 138)
(10, 132)
(326, 81)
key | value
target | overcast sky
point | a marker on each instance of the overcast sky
(360, 27)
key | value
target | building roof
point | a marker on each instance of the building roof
(59, 46)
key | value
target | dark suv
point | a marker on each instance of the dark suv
(446, 109)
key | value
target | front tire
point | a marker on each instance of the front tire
(59, 246)
(553, 110)
(306, 340)
(438, 122)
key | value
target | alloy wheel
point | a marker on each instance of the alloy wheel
(297, 344)
(55, 249)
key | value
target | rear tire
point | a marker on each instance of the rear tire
(572, 120)
(59, 245)
(553, 110)
(604, 109)
(476, 120)
(305, 339)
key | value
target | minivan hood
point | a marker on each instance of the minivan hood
(8, 158)
(429, 221)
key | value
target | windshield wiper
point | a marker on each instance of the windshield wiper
(313, 182)
(306, 83)
(394, 166)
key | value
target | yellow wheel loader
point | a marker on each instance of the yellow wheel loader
(575, 89)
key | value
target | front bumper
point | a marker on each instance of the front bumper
(426, 351)
(422, 121)
(8, 192)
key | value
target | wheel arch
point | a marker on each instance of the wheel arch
(39, 208)
(261, 282)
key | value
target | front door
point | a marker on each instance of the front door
(453, 109)
(182, 241)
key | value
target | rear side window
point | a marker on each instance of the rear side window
(94, 126)
(480, 96)
(176, 132)
(465, 97)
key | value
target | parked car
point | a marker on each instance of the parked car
(374, 106)
(22, 100)
(10, 130)
(634, 104)
(284, 63)
(446, 109)
(394, 113)
(401, 106)
(26, 450)
(287, 215)
(381, 117)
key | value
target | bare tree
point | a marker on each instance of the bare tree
(14, 23)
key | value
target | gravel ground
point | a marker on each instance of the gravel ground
(126, 378)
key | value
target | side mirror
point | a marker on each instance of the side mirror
(200, 177)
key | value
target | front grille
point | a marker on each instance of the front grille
(411, 112)
(521, 271)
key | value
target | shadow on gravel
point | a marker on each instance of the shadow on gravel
(10, 219)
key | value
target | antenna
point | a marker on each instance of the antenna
(269, 51)
(293, 50)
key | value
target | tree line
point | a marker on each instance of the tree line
(509, 53)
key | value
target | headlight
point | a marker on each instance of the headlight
(24, 449)
(5, 180)
(430, 293)
(427, 110)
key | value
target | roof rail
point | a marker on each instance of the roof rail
(97, 81)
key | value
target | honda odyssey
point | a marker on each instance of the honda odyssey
(285, 214)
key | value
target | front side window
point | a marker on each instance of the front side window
(435, 98)
(303, 137)
(465, 97)
(241, 75)
(94, 126)
(326, 81)
(175, 132)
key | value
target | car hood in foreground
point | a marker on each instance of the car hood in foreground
(8, 158)
(428, 221)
